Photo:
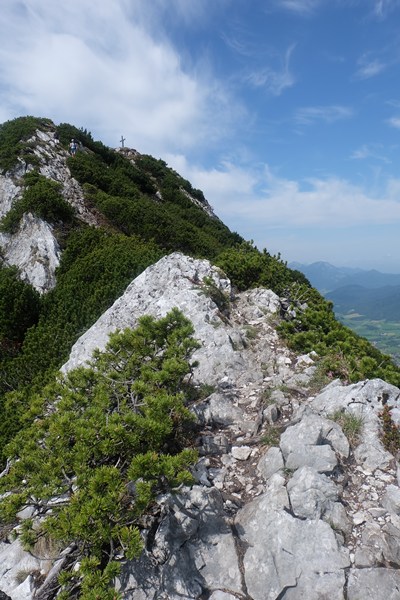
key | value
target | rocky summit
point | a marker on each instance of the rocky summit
(289, 502)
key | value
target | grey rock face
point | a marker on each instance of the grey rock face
(193, 550)
(284, 555)
(53, 165)
(380, 545)
(271, 462)
(9, 192)
(219, 410)
(176, 280)
(18, 569)
(364, 400)
(33, 248)
(311, 494)
(374, 584)
(283, 507)
(314, 442)
(391, 499)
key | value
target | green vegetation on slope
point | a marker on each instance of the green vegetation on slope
(146, 212)
(141, 226)
(346, 355)
(43, 198)
(247, 268)
(126, 195)
(96, 267)
(19, 310)
(14, 136)
(117, 438)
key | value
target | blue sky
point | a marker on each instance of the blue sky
(286, 113)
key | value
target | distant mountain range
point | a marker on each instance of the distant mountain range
(376, 304)
(326, 277)
(372, 294)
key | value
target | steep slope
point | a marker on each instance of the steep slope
(80, 228)
(113, 176)
(276, 481)
(284, 505)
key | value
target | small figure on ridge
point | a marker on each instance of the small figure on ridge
(73, 147)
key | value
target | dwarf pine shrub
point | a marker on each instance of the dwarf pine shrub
(100, 443)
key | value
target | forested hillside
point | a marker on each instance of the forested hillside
(372, 303)
(144, 210)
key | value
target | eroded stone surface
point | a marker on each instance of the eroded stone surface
(374, 584)
(34, 248)
(282, 508)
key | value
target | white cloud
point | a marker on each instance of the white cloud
(394, 103)
(190, 13)
(369, 68)
(394, 122)
(367, 151)
(328, 114)
(257, 198)
(274, 81)
(301, 7)
(381, 8)
(96, 65)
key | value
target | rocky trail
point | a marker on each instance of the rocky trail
(284, 507)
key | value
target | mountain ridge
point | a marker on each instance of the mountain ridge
(265, 465)
(327, 277)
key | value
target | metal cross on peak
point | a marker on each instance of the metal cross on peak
(122, 140)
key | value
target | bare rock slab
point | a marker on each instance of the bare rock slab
(374, 584)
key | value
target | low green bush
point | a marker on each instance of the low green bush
(104, 440)
(19, 310)
(42, 197)
(14, 137)
(247, 268)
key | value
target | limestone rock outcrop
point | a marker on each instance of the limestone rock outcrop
(34, 248)
(284, 506)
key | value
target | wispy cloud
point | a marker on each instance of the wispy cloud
(300, 7)
(394, 122)
(394, 103)
(192, 15)
(327, 114)
(103, 66)
(369, 68)
(274, 81)
(367, 151)
(381, 8)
